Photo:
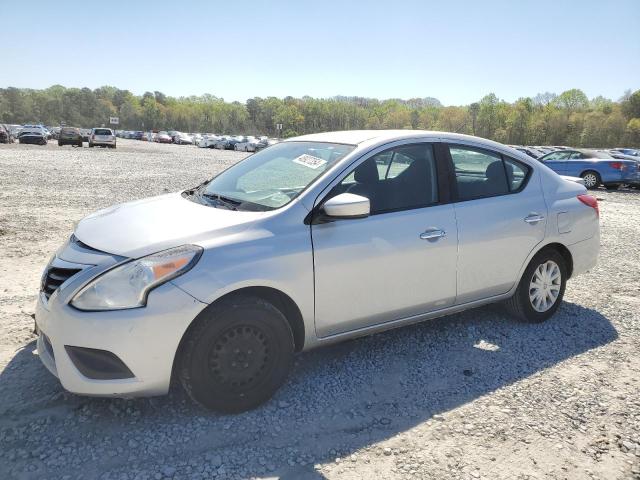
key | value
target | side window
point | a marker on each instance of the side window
(576, 156)
(401, 178)
(517, 173)
(557, 156)
(479, 173)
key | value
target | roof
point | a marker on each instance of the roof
(357, 137)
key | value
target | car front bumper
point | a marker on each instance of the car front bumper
(144, 339)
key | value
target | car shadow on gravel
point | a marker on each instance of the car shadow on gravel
(338, 400)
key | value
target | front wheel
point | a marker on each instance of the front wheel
(541, 288)
(591, 180)
(236, 355)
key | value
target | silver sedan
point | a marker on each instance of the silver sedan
(308, 242)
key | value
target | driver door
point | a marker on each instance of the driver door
(399, 261)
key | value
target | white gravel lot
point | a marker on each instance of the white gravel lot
(473, 395)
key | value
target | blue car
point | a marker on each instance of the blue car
(594, 167)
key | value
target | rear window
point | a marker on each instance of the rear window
(600, 155)
(69, 130)
(102, 131)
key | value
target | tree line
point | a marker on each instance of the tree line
(570, 118)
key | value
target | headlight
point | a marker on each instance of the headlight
(127, 285)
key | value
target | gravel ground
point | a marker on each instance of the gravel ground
(473, 395)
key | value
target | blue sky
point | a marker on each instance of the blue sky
(455, 50)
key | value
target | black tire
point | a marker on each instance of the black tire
(236, 355)
(520, 305)
(588, 175)
(80, 144)
(90, 145)
(60, 144)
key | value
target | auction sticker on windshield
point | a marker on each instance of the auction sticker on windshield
(309, 161)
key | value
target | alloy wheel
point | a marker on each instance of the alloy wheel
(590, 180)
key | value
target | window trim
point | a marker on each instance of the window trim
(452, 174)
(442, 179)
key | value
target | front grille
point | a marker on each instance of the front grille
(55, 277)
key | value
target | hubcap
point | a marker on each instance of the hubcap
(544, 288)
(239, 356)
(590, 180)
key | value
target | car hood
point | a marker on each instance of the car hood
(142, 227)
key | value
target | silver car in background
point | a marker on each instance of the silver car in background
(102, 137)
(308, 242)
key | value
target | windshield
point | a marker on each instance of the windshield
(276, 175)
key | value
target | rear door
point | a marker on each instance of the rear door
(501, 217)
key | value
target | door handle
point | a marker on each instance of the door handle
(534, 218)
(433, 234)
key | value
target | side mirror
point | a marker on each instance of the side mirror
(347, 205)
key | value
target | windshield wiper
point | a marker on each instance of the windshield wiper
(230, 203)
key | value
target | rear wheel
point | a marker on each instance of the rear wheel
(60, 144)
(237, 355)
(541, 288)
(591, 179)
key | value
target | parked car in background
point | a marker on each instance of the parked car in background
(5, 134)
(102, 137)
(296, 247)
(231, 142)
(33, 135)
(266, 142)
(137, 135)
(86, 133)
(182, 139)
(594, 167)
(628, 151)
(163, 137)
(207, 140)
(70, 136)
(15, 130)
(222, 143)
(633, 180)
(532, 152)
(246, 144)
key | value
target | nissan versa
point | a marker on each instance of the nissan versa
(311, 241)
